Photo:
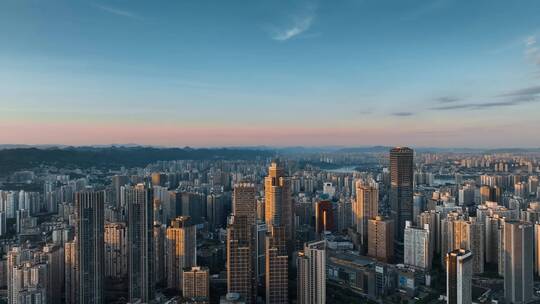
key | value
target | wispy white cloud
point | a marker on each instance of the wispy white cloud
(116, 11)
(301, 25)
(298, 24)
(532, 51)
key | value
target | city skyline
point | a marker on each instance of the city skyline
(423, 73)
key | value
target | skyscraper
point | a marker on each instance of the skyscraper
(278, 201)
(401, 188)
(90, 206)
(365, 207)
(196, 284)
(380, 244)
(181, 244)
(140, 253)
(245, 202)
(518, 261)
(240, 259)
(276, 267)
(459, 277)
(312, 274)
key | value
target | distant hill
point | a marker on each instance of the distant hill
(114, 157)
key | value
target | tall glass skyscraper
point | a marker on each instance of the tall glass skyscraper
(401, 189)
(90, 208)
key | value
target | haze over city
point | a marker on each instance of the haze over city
(439, 73)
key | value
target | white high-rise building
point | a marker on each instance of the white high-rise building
(417, 246)
(312, 274)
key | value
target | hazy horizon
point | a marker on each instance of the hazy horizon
(314, 147)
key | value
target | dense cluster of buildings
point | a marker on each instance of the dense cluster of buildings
(443, 227)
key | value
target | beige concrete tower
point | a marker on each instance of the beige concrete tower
(278, 201)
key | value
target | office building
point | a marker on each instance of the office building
(401, 189)
(91, 262)
(278, 204)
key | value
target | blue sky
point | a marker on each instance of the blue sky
(310, 72)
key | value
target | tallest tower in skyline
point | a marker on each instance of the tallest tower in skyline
(277, 200)
(401, 189)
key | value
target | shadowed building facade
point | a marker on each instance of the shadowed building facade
(324, 216)
(90, 230)
(140, 243)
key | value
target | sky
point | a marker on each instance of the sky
(437, 73)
